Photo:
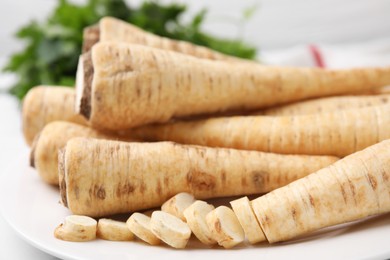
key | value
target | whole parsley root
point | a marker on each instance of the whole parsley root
(339, 133)
(120, 85)
(353, 188)
(112, 29)
(103, 177)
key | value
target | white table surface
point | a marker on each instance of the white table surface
(11, 143)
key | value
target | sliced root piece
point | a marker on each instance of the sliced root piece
(77, 229)
(177, 204)
(225, 227)
(170, 229)
(247, 219)
(139, 225)
(113, 230)
(196, 220)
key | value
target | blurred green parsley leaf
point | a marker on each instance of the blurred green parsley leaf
(53, 47)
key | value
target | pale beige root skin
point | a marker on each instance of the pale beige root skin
(103, 177)
(133, 85)
(353, 188)
(339, 133)
(113, 230)
(112, 29)
(44, 104)
(170, 229)
(325, 105)
(196, 219)
(52, 138)
(77, 229)
(139, 224)
(245, 215)
(225, 227)
(177, 204)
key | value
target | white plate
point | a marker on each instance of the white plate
(32, 209)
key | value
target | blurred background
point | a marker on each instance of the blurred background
(322, 33)
(275, 24)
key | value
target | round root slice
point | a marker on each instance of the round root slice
(245, 215)
(225, 227)
(77, 229)
(196, 220)
(139, 224)
(177, 204)
(113, 230)
(170, 229)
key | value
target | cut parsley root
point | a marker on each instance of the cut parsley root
(177, 204)
(113, 230)
(195, 216)
(139, 225)
(225, 227)
(77, 229)
(170, 229)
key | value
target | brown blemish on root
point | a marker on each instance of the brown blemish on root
(266, 219)
(294, 214)
(88, 71)
(142, 187)
(125, 189)
(257, 178)
(223, 176)
(372, 180)
(200, 180)
(217, 226)
(312, 203)
(61, 176)
(91, 36)
(352, 187)
(101, 193)
(343, 193)
(385, 176)
(201, 151)
(98, 192)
